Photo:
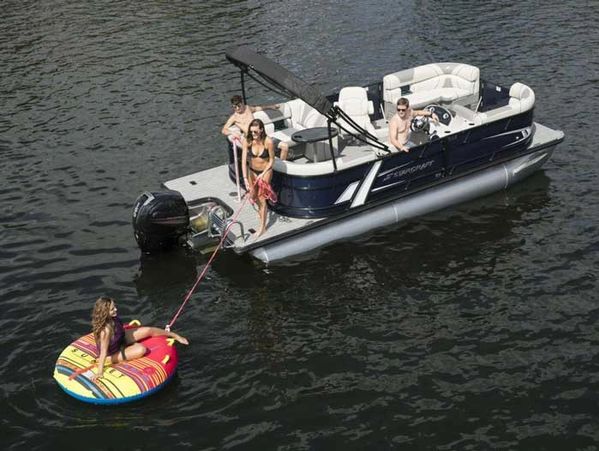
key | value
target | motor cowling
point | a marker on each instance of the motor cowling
(159, 220)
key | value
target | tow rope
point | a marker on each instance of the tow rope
(265, 191)
(212, 257)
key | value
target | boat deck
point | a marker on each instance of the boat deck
(215, 183)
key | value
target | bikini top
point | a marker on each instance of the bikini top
(263, 155)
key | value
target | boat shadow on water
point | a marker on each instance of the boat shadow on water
(164, 275)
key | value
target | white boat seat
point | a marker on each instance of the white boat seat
(353, 100)
(298, 115)
(269, 117)
(432, 83)
(421, 99)
(522, 98)
(285, 135)
(301, 115)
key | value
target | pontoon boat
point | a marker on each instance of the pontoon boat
(343, 178)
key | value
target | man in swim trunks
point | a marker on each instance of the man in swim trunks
(242, 116)
(399, 125)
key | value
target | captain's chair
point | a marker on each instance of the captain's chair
(353, 100)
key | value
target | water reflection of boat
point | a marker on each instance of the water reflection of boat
(344, 178)
(165, 276)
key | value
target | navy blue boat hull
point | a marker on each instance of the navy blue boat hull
(320, 196)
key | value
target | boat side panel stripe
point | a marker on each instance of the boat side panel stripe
(348, 193)
(362, 194)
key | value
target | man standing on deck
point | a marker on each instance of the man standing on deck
(242, 116)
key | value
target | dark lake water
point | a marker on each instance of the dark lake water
(472, 328)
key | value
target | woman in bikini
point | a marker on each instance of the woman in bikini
(258, 153)
(115, 342)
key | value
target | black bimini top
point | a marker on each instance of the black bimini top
(276, 75)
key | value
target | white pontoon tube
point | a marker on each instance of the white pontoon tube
(461, 190)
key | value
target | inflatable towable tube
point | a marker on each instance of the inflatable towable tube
(122, 382)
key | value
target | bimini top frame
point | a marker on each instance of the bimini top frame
(278, 79)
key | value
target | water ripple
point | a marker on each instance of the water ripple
(472, 328)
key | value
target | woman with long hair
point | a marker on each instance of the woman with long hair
(115, 342)
(258, 154)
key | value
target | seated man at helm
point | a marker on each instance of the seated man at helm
(399, 124)
(242, 116)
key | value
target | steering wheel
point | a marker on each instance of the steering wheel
(420, 124)
(442, 113)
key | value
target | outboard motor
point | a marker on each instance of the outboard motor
(159, 220)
